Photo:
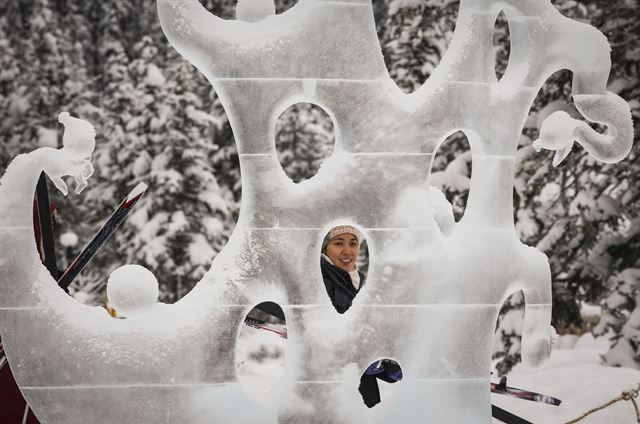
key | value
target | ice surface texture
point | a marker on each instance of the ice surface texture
(434, 287)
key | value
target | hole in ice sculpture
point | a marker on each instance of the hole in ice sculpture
(254, 10)
(374, 382)
(508, 333)
(260, 350)
(257, 10)
(344, 261)
(501, 45)
(304, 140)
(413, 36)
(555, 96)
(228, 10)
(451, 171)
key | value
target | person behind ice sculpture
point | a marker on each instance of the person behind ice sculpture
(342, 279)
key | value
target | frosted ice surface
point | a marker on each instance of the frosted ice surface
(434, 286)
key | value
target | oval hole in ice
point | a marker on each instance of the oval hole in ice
(344, 261)
(413, 37)
(260, 350)
(304, 140)
(451, 171)
(375, 380)
(501, 45)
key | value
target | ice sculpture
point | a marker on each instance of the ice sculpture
(434, 288)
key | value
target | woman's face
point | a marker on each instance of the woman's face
(343, 251)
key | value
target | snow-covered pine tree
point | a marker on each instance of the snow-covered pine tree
(112, 88)
(621, 305)
(13, 104)
(304, 139)
(39, 72)
(167, 140)
(44, 73)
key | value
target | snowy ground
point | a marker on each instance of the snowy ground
(573, 374)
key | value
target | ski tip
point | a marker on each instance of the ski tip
(137, 191)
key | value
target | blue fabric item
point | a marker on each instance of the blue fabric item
(385, 368)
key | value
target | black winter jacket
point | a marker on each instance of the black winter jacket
(338, 285)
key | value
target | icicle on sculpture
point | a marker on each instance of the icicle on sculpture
(434, 286)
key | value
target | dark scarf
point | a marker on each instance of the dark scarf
(339, 286)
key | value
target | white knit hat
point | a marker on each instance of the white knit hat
(341, 229)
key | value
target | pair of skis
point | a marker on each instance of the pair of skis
(43, 229)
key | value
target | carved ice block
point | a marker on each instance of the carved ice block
(434, 288)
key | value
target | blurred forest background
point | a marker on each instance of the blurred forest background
(159, 121)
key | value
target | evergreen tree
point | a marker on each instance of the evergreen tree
(158, 132)
(304, 139)
(13, 105)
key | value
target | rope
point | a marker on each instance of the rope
(630, 396)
